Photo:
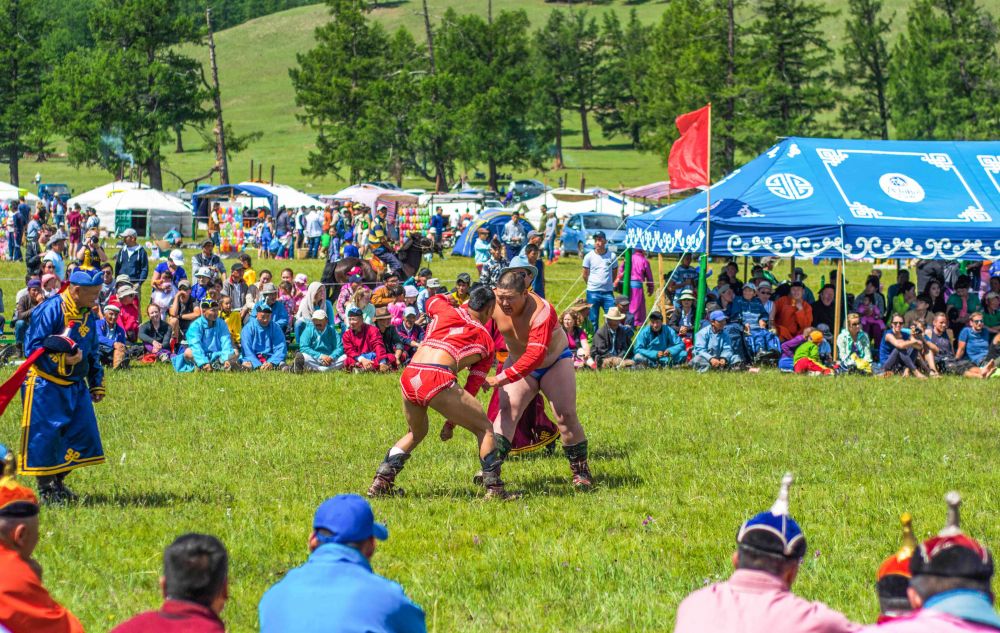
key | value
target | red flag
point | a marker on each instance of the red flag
(10, 388)
(688, 161)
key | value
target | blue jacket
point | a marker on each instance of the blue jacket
(335, 591)
(279, 314)
(748, 312)
(50, 319)
(269, 343)
(647, 344)
(209, 342)
(709, 344)
(108, 339)
(316, 344)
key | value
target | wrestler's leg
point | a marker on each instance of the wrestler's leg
(515, 397)
(385, 476)
(461, 408)
(559, 386)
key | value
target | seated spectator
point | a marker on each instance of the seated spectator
(576, 336)
(183, 311)
(872, 322)
(682, 319)
(163, 296)
(383, 294)
(288, 297)
(991, 312)
(394, 345)
(263, 342)
(409, 331)
(950, 588)
(899, 349)
(195, 588)
(904, 301)
(249, 274)
(902, 278)
(315, 299)
(279, 312)
(685, 273)
(363, 345)
(825, 308)
(344, 297)
(807, 357)
(336, 588)
(920, 311)
(397, 306)
(713, 349)
(26, 304)
(974, 346)
(431, 288)
(25, 605)
(792, 313)
(208, 343)
(462, 284)
(854, 349)
(50, 284)
(658, 346)
(892, 581)
(875, 298)
(154, 334)
(238, 290)
(202, 282)
(757, 598)
(613, 341)
(111, 339)
(232, 318)
(362, 300)
(129, 318)
(320, 346)
(961, 305)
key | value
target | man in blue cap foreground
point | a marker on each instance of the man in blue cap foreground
(64, 379)
(336, 589)
(757, 598)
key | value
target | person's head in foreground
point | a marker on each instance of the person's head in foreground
(347, 520)
(18, 511)
(771, 541)
(893, 578)
(196, 569)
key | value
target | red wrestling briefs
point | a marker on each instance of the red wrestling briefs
(421, 382)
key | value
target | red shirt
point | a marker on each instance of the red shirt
(368, 340)
(176, 616)
(25, 605)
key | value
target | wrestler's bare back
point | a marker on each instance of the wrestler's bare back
(515, 329)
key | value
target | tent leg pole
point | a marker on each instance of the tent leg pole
(661, 297)
(745, 271)
(791, 269)
(838, 306)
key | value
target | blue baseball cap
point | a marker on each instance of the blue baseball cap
(349, 519)
(717, 315)
(84, 277)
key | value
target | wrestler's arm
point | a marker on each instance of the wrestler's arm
(539, 337)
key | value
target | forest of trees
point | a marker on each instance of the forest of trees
(494, 91)
(108, 77)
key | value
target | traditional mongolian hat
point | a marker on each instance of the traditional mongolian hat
(774, 531)
(952, 553)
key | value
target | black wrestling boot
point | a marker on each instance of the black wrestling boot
(384, 484)
(490, 475)
(69, 495)
(503, 448)
(577, 456)
(50, 492)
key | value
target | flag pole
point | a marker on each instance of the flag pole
(703, 263)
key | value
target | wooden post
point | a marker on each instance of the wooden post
(272, 175)
(251, 170)
(838, 305)
(661, 300)
(791, 270)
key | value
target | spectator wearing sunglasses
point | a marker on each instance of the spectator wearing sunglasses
(899, 349)
(209, 346)
(974, 344)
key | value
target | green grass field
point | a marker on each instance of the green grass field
(254, 59)
(680, 460)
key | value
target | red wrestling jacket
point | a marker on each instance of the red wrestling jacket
(454, 331)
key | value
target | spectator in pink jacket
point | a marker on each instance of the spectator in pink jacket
(758, 598)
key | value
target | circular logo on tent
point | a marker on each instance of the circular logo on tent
(901, 187)
(789, 186)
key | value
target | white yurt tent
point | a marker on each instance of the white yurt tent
(95, 196)
(566, 202)
(149, 211)
(288, 197)
(10, 193)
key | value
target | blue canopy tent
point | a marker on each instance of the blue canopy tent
(842, 199)
(202, 199)
(494, 221)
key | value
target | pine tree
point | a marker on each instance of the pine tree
(548, 79)
(625, 68)
(792, 80)
(945, 76)
(866, 70)
(21, 84)
(580, 48)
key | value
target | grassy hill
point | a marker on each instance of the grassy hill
(254, 59)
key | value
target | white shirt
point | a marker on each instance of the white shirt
(602, 271)
(314, 224)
